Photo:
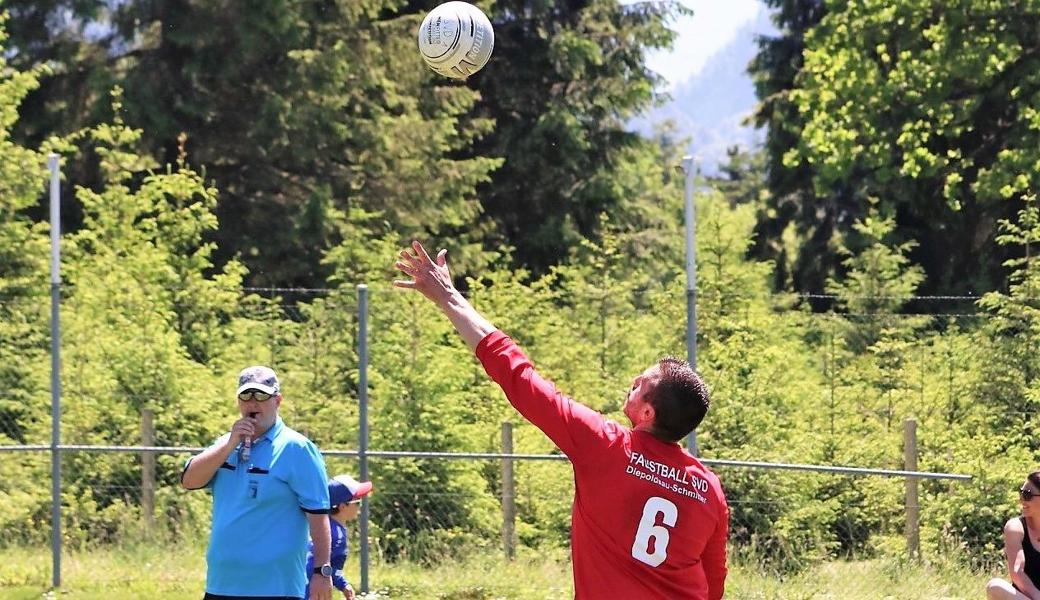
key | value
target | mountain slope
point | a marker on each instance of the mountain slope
(709, 108)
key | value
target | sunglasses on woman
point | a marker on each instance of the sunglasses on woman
(1027, 494)
(257, 395)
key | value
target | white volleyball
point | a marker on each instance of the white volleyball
(456, 39)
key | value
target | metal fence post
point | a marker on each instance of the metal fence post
(148, 468)
(363, 556)
(508, 493)
(913, 525)
(54, 164)
(691, 280)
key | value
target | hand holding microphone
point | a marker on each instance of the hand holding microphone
(247, 443)
(242, 431)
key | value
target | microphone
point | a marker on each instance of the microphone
(247, 445)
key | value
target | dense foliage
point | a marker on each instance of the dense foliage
(303, 164)
(927, 107)
(303, 112)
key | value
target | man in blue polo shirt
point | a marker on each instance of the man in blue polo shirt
(269, 490)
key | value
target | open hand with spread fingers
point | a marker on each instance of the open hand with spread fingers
(432, 279)
(429, 276)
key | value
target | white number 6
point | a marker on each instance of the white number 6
(650, 530)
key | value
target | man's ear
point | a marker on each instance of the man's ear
(649, 413)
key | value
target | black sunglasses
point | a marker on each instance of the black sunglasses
(257, 395)
(1027, 494)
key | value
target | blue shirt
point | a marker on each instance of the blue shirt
(258, 543)
(337, 558)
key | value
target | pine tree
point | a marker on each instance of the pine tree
(564, 80)
(796, 224)
(298, 111)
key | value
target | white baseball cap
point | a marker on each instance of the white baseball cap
(258, 378)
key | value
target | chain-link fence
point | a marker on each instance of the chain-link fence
(789, 387)
(434, 510)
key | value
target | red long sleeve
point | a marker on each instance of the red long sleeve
(649, 521)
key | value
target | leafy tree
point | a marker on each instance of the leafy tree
(743, 177)
(24, 333)
(23, 265)
(931, 108)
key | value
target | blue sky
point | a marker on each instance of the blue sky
(713, 25)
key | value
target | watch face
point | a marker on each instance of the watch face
(326, 570)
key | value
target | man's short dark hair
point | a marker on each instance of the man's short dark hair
(680, 399)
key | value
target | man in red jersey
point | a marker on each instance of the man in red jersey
(649, 521)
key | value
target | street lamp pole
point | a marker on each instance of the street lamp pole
(691, 282)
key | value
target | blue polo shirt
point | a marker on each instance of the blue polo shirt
(258, 545)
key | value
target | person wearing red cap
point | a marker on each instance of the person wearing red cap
(649, 520)
(345, 494)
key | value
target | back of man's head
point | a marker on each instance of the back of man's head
(680, 399)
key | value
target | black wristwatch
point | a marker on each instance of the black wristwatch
(325, 570)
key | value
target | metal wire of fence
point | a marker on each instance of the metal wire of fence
(427, 521)
(850, 492)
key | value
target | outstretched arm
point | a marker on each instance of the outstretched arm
(569, 424)
(431, 278)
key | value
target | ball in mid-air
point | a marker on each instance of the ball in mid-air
(456, 39)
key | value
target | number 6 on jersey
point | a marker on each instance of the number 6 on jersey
(649, 531)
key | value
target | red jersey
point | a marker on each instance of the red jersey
(649, 521)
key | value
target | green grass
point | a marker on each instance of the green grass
(178, 572)
(881, 579)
